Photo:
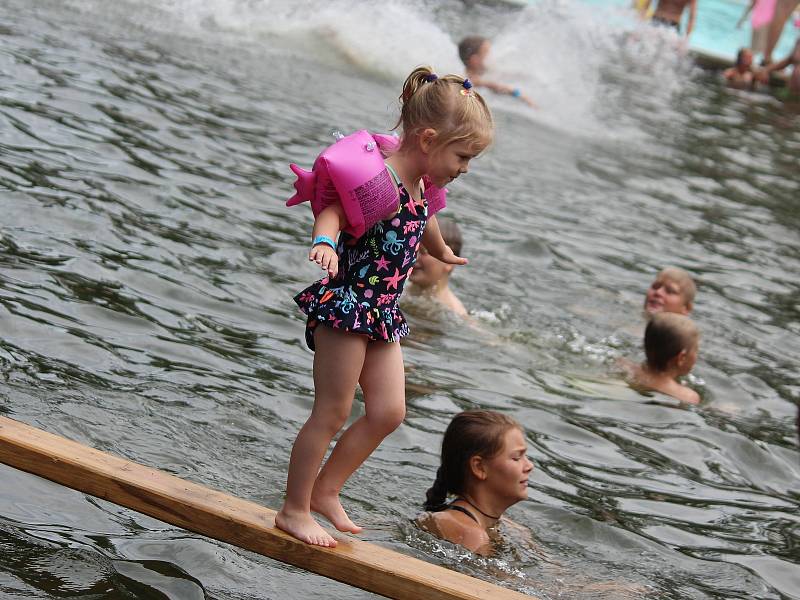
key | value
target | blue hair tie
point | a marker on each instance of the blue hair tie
(467, 84)
(431, 77)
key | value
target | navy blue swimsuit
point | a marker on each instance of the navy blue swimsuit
(372, 272)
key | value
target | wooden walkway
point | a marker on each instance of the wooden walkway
(232, 520)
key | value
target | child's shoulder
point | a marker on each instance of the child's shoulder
(456, 527)
(684, 394)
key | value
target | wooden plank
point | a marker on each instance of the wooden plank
(230, 519)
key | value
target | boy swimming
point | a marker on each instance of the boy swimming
(671, 342)
(473, 51)
(741, 75)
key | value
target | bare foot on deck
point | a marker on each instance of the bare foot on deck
(328, 506)
(303, 527)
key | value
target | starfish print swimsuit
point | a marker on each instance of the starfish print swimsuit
(372, 272)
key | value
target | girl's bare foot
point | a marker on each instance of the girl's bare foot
(303, 527)
(328, 506)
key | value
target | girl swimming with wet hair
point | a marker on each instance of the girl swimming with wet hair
(484, 465)
(354, 323)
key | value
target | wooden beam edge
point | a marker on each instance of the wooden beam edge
(229, 519)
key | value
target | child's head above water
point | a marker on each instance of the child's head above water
(673, 291)
(670, 343)
(744, 58)
(444, 116)
(473, 50)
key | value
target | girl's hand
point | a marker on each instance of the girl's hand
(449, 257)
(325, 257)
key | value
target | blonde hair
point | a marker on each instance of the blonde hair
(666, 336)
(683, 279)
(457, 113)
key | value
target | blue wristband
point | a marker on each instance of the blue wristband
(516, 93)
(323, 239)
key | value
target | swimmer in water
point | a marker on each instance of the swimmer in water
(673, 290)
(485, 468)
(431, 277)
(671, 342)
(473, 51)
(741, 75)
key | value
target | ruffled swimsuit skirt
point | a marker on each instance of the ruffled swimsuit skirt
(363, 298)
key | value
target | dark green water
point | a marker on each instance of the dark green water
(147, 265)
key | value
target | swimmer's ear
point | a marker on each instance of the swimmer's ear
(687, 308)
(427, 139)
(477, 467)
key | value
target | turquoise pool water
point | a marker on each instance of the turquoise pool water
(715, 29)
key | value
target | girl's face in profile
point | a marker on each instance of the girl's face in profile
(446, 164)
(508, 471)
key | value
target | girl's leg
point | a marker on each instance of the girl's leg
(338, 362)
(783, 10)
(383, 383)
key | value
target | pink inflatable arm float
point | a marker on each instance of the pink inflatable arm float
(353, 173)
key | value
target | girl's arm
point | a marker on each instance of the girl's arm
(327, 225)
(434, 242)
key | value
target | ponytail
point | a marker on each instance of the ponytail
(448, 104)
(470, 433)
(436, 496)
(419, 77)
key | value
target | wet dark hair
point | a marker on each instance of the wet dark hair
(470, 433)
(667, 334)
(470, 46)
(740, 56)
(451, 234)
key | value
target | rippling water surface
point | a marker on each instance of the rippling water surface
(147, 265)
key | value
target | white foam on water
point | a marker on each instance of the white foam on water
(560, 52)
(386, 39)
